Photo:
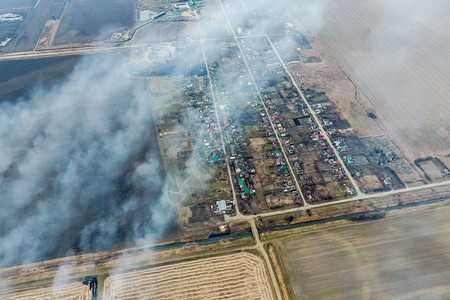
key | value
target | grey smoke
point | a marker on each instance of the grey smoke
(80, 166)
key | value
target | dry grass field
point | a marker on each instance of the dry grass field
(235, 276)
(396, 51)
(400, 257)
(72, 291)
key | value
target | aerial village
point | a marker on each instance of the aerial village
(258, 139)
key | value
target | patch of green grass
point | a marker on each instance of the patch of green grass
(174, 107)
(296, 139)
(254, 131)
(319, 98)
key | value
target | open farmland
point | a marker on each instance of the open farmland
(85, 21)
(235, 276)
(70, 291)
(397, 53)
(402, 257)
(8, 4)
(25, 34)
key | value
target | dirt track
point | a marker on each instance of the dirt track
(236, 276)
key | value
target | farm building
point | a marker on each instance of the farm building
(223, 206)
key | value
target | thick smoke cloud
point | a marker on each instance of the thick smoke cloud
(80, 166)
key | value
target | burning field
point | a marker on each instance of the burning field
(235, 276)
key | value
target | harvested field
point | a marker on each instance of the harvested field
(160, 32)
(25, 34)
(396, 52)
(72, 291)
(155, 5)
(400, 257)
(235, 276)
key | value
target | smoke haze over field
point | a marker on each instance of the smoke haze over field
(80, 166)
(397, 52)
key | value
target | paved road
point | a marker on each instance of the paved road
(74, 51)
(359, 197)
(62, 52)
(98, 49)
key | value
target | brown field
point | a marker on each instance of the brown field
(371, 182)
(327, 77)
(400, 257)
(396, 53)
(234, 276)
(274, 201)
(257, 144)
(72, 291)
(430, 168)
(34, 281)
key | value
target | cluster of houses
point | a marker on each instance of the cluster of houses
(291, 119)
